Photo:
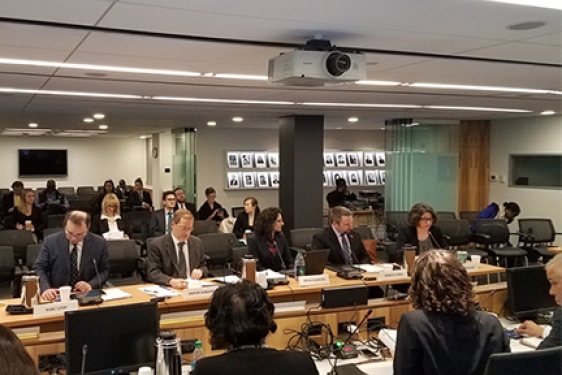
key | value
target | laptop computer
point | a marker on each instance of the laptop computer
(315, 261)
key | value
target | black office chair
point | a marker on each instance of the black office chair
(469, 215)
(7, 263)
(123, 261)
(218, 251)
(446, 215)
(394, 220)
(67, 191)
(493, 237)
(89, 190)
(236, 211)
(32, 252)
(18, 240)
(543, 362)
(204, 226)
(139, 220)
(301, 238)
(49, 231)
(537, 235)
(82, 203)
(458, 235)
(55, 221)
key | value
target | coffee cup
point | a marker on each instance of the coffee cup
(28, 225)
(462, 256)
(65, 293)
(475, 259)
(145, 371)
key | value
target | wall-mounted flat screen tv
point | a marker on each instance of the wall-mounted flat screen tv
(42, 162)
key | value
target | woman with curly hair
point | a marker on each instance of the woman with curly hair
(15, 360)
(445, 334)
(240, 316)
(268, 244)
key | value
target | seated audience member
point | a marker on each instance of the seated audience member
(246, 219)
(109, 223)
(71, 258)
(552, 334)
(161, 220)
(174, 257)
(421, 231)
(508, 211)
(239, 318)
(108, 188)
(445, 334)
(27, 216)
(123, 189)
(340, 195)
(14, 358)
(140, 199)
(13, 198)
(211, 209)
(268, 244)
(345, 244)
(52, 200)
(181, 202)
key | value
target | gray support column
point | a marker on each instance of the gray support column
(301, 147)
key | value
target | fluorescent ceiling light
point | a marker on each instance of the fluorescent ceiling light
(485, 109)
(237, 119)
(33, 125)
(211, 123)
(361, 105)
(353, 119)
(544, 113)
(222, 101)
(550, 4)
(241, 76)
(69, 93)
(88, 120)
(378, 83)
(482, 88)
(103, 127)
(99, 116)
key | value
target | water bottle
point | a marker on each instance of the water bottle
(300, 265)
(168, 357)
(197, 354)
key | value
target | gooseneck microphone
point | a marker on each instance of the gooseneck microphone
(434, 240)
(84, 353)
(97, 273)
(367, 314)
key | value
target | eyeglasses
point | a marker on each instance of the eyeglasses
(426, 219)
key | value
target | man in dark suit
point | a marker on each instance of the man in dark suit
(161, 220)
(345, 244)
(11, 199)
(552, 335)
(181, 202)
(176, 256)
(339, 196)
(140, 198)
(71, 258)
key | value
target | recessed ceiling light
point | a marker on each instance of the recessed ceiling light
(544, 113)
(526, 26)
(353, 119)
(88, 119)
(33, 125)
(338, 128)
(99, 116)
(211, 123)
(143, 137)
(382, 128)
(237, 119)
(103, 127)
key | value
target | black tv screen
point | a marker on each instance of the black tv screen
(528, 290)
(43, 162)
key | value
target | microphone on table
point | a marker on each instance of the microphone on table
(346, 350)
(97, 273)
(367, 314)
(84, 353)
(434, 240)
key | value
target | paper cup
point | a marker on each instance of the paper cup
(475, 259)
(145, 371)
(65, 293)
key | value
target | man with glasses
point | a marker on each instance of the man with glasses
(73, 257)
(177, 256)
(161, 220)
(181, 202)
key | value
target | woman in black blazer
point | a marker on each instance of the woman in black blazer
(268, 244)
(246, 219)
(110, 219)
(211, 209)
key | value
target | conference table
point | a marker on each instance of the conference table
(295, 305)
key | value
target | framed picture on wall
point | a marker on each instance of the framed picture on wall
(327, 179)
(353, 178)
(273, 159)
(262, 179)
(274, 177)
(352, 159)
(246, 160)
(249, 179)
(260, 159)
(232, 160)
(341, 159)
(382, 175)
(371, 178)
(368, 159)
(336, 175)
(329, 159)
(233, 180)
(380, 159)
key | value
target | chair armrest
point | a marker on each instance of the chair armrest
(481, 238)
(447, 238)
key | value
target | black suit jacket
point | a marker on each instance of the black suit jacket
(157, 226)
(100, 226)
(163, 259)
(190, 207)
(242, 224)
(555, 336)
(327, 239)
(53, 262)
(205, 211)
(135, 201)
(409, 235)
(7, 203)
(258, 247)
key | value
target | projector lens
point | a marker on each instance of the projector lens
(337, 63)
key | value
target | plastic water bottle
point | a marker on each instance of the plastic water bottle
(197, 354)
(300, 265)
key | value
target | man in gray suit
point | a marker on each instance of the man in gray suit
(176, 256)
(160, 220)
(71, 258)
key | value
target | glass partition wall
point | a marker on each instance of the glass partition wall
(184, 173)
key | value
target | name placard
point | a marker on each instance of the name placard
(54, 309)
(393, 274)
(198, 292)
(313, 280)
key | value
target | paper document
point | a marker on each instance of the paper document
(115, 293)
(369, 267)
(160, 291)
(272, 275)
(230, 279)
(532, 342)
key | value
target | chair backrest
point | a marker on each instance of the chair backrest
(81, 190)
(469, 215)
(457, 231)
(544, 362)
(204, 226)
(55, 221)
(302, 237)
(7, 263)
(236, 211)
(542, 230)
(82, 203)
(49, 231)
(496, 228)
(365, 232)
(18, 240)
(238, 254)
(123, 256)
(139, 220)
(32, 252)
(67, 190)
(446, 215)
(218, 248)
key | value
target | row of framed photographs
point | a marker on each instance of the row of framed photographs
(264, 180)
(235, 159)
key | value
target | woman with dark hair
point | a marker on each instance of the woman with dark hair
(15, 360)
(211, 209)
(246, 219)
(268, 244)
(445, 334)
(109, 223)
(239, 318)
(420, 231)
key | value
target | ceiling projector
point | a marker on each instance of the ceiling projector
(317, 64)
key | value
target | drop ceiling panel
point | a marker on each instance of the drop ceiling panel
(48, 38)
(523, 52)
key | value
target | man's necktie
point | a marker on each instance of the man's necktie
(73, 278)
(182, 262)
(170, 217)
(346, 249)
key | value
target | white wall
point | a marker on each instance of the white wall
(539, 135)
(91, 161)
